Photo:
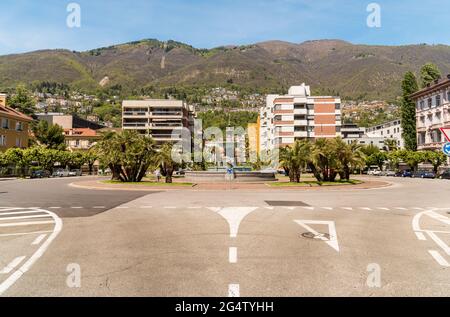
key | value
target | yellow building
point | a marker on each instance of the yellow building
(14, 127)
(253, 136)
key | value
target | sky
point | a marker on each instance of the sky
(28, 25)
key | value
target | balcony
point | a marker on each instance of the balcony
(301, 122)
(135, 114)
(136, 125)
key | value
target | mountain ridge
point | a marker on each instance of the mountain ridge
(332, 66)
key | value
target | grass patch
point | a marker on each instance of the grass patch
(315, 183)
(146, 183)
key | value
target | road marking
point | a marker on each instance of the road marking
(438, 217)
(9, 209)
(420, 236)
(233, 290)
(289, 208)
(7, 269)
(332, 242)
(55, 207)
(39, 239)
(19, 213)
(27, 265)
(366, 208)
(24, 217)
(76, 207)
(308, 208)
(17, 224)
(347, 208)
(123, 207)
(232, 255)
(170, 207)
(195, 207)
(23, 233)
(99, 207)
(383, 208)
(327, 208)
(146, 207)
(234, 217)
(400, 208)
(439, 242)
(418, 208)
(270, 208)
(439, 259)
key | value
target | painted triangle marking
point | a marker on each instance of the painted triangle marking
(234, 217)
(332, 241)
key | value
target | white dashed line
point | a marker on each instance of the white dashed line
(20, 213)
(327, 208)
(99, 207)
(146, 207)
(233, 255)
(289, 208)
(366, 208)
(308, 208)
(439, 259)
(383, 208)
(39, 239)
(400, 208)
(347, 208)
(55, 208)
(23, 217)
(233, 290)
(193, 207)
(76, 207)
(170, 207)
(7, 269)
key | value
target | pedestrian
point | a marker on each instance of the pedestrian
(158, 175)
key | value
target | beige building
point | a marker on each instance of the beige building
(81, 139)
(433, 113)
(14, 127)
(161, 119)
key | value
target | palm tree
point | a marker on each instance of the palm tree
(324, 159)
(391, 145)
(294, 159)
(349, 156)
(166, 162)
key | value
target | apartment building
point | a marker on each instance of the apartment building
(433, 113)
(161, 119)
(14, 127)
(69, 121)
(389, 131)
(81, 138)
(297, 116)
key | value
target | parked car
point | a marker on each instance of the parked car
(390, 173)
(424, 174)
(377, 173)
(75, 173)
(445, 175)
(406, 173)
(61, 173)
(40, 174)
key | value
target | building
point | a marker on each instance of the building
(432, 113)
(389, 131)
(161, 119)
(254, 136)
(81, 138)
(69, 121)
(14, 127)
(298, 116)
(352, 131)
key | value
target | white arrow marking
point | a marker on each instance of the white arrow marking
(234, 216)
(332, 242)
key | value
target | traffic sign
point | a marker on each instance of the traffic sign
(446, 132)
(446, 149)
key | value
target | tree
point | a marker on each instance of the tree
(428, 74)
(377, 159)
(408, 111)
(391, 145)
(128, 154)
(90, 157)
(437, 159)
(294, 159)
(18, 158)
(166, 162)
(349, 156)
(413, 159)
(76, 160)
(22, 100)
(50, 135)
(323, 161)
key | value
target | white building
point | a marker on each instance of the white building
(389, 131)
(297, 116)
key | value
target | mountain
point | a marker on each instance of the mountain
(329, 66)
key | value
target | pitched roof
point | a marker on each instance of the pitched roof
(10, 112)
(80, 132)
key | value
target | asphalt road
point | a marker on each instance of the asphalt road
(393, 241)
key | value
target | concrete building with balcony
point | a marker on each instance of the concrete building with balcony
(14, 127)
(298, 116)
(389, 131)
(161, 119)
(81, 139)
(433, 113)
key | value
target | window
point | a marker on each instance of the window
(338, 106)
(2, 140)
(18, 142)
(430, 103)
(448, 96)
(299, 107)
(422, 105)
(19, 126)
(438, 100)
(5, 123)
